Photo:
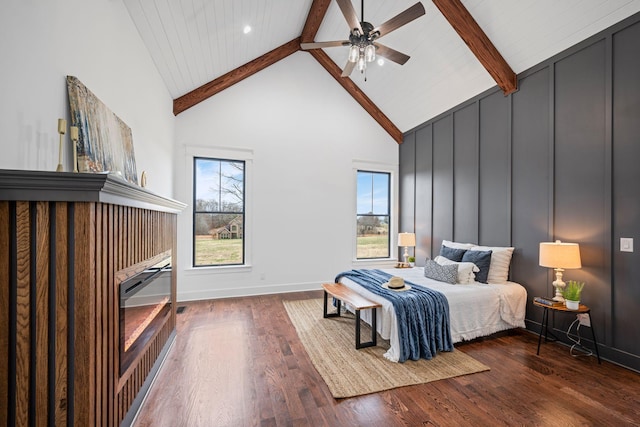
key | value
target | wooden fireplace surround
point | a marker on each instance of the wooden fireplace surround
(65, 238)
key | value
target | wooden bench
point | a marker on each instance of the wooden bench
(344, 294)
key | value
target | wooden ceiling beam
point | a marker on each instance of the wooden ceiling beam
(207, 90)
(311, 27)
(357, 94)
(471, 33)
(314, 19)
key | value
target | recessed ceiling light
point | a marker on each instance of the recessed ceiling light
(380, 62)
(246, 29)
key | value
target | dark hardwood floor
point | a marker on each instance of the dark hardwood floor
(239, 362)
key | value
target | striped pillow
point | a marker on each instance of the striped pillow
(500, 262)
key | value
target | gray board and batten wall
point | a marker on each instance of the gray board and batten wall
(558, 159)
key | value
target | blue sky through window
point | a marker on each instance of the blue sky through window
(219, 180)
(373, 193)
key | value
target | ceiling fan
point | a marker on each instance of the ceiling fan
(363, 45)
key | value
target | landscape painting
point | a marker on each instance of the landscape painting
(105, 143)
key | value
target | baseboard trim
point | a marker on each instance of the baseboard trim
(246, 292)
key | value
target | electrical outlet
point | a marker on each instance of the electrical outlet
(583, 318)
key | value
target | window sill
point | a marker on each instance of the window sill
(375, 263)
(225, 269)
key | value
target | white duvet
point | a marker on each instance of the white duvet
(475, 310)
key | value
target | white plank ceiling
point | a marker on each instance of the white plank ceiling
(195, 41)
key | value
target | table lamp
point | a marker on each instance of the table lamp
(559, 256)
(406, 240)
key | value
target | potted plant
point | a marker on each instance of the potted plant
(411, 260)
(572, 293)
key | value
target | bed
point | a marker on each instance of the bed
(475, 309)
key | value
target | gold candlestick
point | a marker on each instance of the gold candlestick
(73, 133)
(62, 128)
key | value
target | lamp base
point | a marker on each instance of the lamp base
(559, 285)
(558, 296)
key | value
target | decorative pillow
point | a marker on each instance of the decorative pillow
(442, 273)
(500, 261)
(452, 253)
(457, 245)
(482, 259)
(466, 270)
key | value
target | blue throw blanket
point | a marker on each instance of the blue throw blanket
(423, 314)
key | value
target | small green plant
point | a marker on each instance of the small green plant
(411, 259)
(573, 290)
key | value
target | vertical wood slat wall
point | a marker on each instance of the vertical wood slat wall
(59, 354)
(555, 160)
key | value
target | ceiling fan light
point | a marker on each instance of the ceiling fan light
(370, 53)
(361, 63)
(354, 53)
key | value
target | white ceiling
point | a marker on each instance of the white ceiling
(195, 41)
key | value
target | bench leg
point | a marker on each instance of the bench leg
(374, 326)
(326, 313)
(374, 313)
(374, 337)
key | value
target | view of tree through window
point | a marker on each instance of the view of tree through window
(373, 215)
(218, 213)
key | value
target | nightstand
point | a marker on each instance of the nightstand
(562, 309)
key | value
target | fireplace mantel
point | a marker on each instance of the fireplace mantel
(64, 237)
(28, 185)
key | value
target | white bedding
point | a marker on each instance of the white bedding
(475, 310)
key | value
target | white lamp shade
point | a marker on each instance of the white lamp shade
(560, 255)
(406, 239)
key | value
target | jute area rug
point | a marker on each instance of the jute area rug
(348, 372)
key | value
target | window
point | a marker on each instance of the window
(218, 213)
(372, 215)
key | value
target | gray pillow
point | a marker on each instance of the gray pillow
(482, 260)
(442, 273)
(452, 253)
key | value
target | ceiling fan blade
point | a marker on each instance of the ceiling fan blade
(346, 72)
(415, 11)
(319, 45)
(349, 14)
(391, 54)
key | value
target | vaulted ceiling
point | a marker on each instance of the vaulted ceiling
(458, 49)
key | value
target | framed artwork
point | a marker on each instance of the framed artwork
(105, 143)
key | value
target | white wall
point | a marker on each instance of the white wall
(41, 42)
(302, 135)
